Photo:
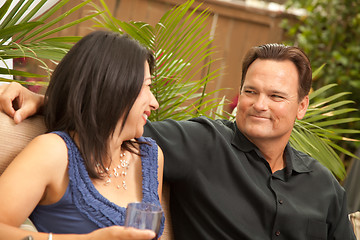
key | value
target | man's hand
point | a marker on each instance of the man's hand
(19, 102)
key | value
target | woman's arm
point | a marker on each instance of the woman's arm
(160, 171)
(39, 175)
(19, 102)
(114, 233)
(38, 169)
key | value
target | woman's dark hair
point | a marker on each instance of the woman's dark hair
(94, 86)
(279, 52)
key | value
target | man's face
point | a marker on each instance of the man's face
(268, 104)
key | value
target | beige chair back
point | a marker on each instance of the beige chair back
(14, 137)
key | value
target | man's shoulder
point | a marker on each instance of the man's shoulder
(198, 127)
(216, 123)
(315, 167)
(218, 126)
(195, 123)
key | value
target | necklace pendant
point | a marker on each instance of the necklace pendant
(115, 172)
(107, 182)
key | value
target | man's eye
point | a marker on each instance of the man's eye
(277, 97)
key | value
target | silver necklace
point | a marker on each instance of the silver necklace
(119, 171)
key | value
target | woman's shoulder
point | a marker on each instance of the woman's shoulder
(51, 140)
(47, 148)
(45, 157)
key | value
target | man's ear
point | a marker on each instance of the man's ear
(302, 107)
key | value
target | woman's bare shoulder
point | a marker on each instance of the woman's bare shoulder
(46, 150)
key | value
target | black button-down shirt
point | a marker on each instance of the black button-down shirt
(221, 187)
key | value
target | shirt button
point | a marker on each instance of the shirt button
(277, 233)
(281, 201)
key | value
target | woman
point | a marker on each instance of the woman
(79, 177)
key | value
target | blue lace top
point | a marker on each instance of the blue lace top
(83, 209)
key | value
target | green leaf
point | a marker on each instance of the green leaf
(17, 25)
(319, 149)
(65, 26)
(4, 8)
(8, 32)
(31, 14)
(336, 122)
(19, 73)
(11, 14)
(15, 19)
(325, 88)
(40, 32)
(69, 39)
(317, 71)
(33, 83)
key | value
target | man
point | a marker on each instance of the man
(242, 179)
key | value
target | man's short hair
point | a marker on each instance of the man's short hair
(280, 52)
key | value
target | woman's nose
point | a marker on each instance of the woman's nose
(154, 104)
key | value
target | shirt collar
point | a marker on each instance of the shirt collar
(294, 162)
(240, 141)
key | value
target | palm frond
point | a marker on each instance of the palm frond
(316, 132)
(5, 71)
(317, 147)
(22, 37)
(183, 51)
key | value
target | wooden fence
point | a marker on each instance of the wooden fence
(235, 27)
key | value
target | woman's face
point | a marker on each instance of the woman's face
(140, 111)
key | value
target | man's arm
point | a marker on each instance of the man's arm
(18, 102)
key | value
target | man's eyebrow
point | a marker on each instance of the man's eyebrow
(279, 92)
(272, 91)
(249, 86)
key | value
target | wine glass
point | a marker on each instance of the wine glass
(144, 216)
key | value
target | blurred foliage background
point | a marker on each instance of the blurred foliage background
(329, 33)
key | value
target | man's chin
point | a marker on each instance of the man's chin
(257, 134)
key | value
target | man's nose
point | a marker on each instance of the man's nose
(261, 103)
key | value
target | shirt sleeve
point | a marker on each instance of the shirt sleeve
(342, 229)
(183, 144)
(174, 139)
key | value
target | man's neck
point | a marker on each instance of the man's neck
(273, 152)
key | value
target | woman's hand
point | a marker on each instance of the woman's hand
(108, 233)
(121, 233)
(18, 102)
